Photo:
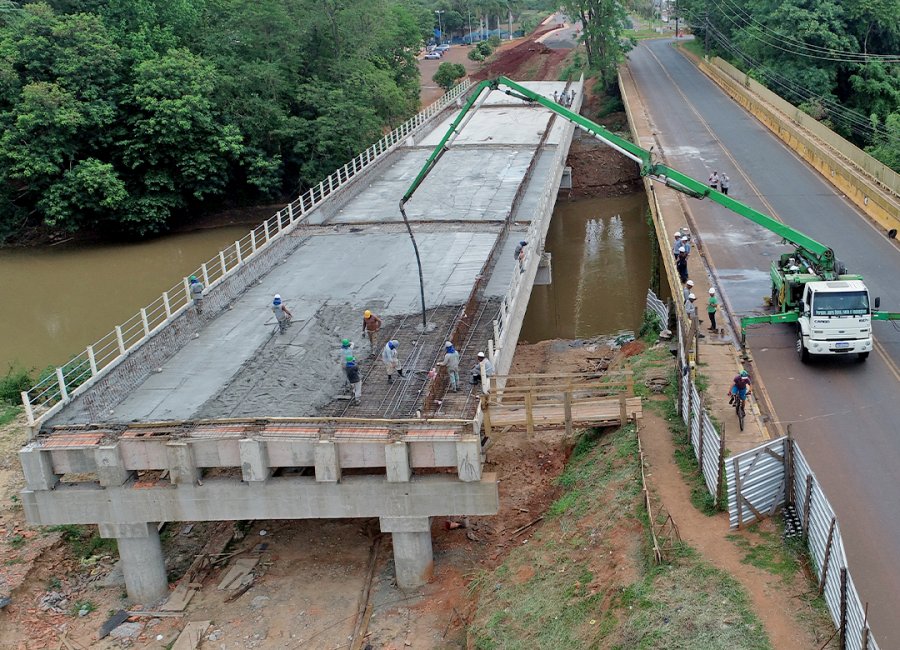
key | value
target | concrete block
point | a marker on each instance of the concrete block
(396, 457)
(254, 460)
(405, 524)
(468, 460)
(328, 469)
(37, 465)
(182, 468)
(111, 470)
(112, 530)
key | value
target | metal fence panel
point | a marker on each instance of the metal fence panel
(658, 307)
(756, 476)
(710, 461)
(695, 420)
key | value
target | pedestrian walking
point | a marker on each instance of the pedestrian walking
(681, 265)
(485, 367)
(724, 183)
(196, 288)
(371, 325)
(282, 313)
(711, 307)
(391, 359)
(451, 362)
(686, 291)
(351, 370)
(714, 180)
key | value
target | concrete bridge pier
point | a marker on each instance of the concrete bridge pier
(413, 555)
(142, 560)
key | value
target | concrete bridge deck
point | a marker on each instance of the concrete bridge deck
(145, 442)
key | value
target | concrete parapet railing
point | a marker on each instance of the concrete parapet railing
(870, 184)
(54, 391)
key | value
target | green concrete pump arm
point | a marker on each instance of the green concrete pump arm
(815, 254)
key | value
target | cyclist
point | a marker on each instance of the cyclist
(741, 387)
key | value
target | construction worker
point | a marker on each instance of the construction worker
(196, 288)
(518, 252)
(681, 265)
(391, 359)
(282, 313)
(686, 244)
(371, 325)
(484, 366)
(686, 290)
(451, 361)
(711, 306)
(342, 353)
(690, 307)
(351, 369)
(677, 243)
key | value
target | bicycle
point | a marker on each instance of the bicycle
(740, 408)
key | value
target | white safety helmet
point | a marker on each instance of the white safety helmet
(691, 296)
(481, 355)
(277, 296)
(712, 291)
(681, 249)
(690, 283)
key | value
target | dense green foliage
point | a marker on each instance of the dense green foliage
(448, 74)
(604, 24)
(118, 116)
(819, 54)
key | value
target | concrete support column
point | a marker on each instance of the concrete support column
(468, 460)
(396, 457)
(111, 470)
(182, 468)
(328, 465)
(37, 465)
(413, 556)
(254, 461)
(142, 560)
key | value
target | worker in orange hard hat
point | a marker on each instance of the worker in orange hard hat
(371, 325)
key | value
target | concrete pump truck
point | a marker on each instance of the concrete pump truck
(810, 287)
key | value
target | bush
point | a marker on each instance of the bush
(448, 74)
(16, 380)
(485, 48)
(475, 55)
(494, 41)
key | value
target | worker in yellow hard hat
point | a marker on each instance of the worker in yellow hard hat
(371, 325)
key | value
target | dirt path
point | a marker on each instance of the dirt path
(774, 600)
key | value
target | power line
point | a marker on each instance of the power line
(760, 32)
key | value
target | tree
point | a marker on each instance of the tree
(448, 74)
(604, 22)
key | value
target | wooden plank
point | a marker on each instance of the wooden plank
(623, 409)
(179, 599)
(567, 411)
(529, 414)
(827, 558)
(191, 635)
(237, 572)
(807, 504)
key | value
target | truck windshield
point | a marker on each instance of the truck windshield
(845, 303)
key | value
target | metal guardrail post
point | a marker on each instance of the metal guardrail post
(120, 339)
(145, 321)
(166, 304)
(222, 263)
(61, 380)
(92, 359)
(187, 291)
(29, 411)
(290, 212)
(266, 228)
(253, 241)
(237, 251)
(205, 272)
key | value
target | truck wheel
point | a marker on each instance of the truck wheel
(863, 356)
(802, 352)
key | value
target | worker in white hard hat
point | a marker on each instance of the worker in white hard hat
(685, 290)
(712, 306)
(451, 361)
(282, 313)
(484, 368)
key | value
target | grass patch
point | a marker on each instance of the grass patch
(549, 593)
(83, 608)
(84, 541)
(694, 46)
(17, 541)
(8, 413)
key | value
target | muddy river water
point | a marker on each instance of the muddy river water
(601, 270)
(57, 300)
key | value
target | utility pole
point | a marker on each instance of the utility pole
(440, 26)
(676, 18)
(509, 17)
(469, 12)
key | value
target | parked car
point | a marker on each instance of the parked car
(434, 55)
(443, 47)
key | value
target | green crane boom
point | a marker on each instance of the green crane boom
(816, 256)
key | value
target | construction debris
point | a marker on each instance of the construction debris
(191, 635)
(236, 576)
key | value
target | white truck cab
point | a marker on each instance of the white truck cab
(835, 318)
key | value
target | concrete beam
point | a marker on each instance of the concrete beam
(254, 460)
(468, 460)
(413, 554)
(142, 560)
(111, 470)
(293, 497)
(328, 466)
(180, 459)
(37, 466)
(396, 456)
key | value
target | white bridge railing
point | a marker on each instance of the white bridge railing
(74, 377)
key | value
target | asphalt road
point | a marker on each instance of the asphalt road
(845, 414)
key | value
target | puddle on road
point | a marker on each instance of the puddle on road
(601, 270)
